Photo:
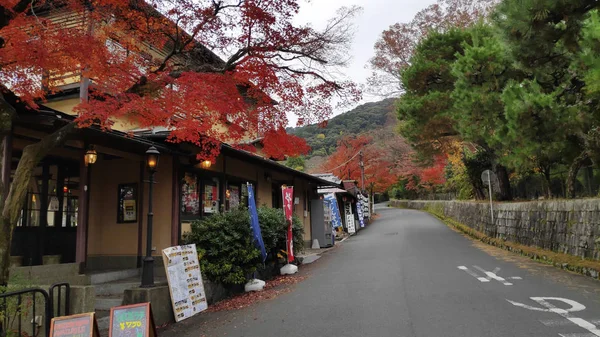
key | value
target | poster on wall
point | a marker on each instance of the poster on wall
(185, 281)
(349, 218)
(127, 202)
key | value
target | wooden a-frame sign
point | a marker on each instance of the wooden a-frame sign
(80, 325)
(132, 320)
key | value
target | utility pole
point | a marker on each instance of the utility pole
(362, 171)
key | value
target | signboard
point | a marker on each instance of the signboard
(349, 218)
(134, 320)
(185, 281)
(81, 325)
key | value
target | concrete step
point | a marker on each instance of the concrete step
(115, 275)
(108, 301)
(115, 288)
(103, 318)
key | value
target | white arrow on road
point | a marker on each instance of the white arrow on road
(566, 313)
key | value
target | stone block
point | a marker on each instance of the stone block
(160, 301)
(83, 299)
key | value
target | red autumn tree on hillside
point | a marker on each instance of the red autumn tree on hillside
(155, 63)
(382, 161)
(395, 47)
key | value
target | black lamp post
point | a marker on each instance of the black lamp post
(152, 156)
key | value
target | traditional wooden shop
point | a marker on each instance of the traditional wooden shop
(87, 202)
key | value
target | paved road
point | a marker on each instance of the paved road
(410, 275)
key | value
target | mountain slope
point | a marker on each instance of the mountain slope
(364, 118)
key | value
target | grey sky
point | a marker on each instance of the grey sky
(377, 15)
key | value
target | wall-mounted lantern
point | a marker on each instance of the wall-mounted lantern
(90, 156)
(206, 164)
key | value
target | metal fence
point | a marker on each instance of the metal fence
(28, 312)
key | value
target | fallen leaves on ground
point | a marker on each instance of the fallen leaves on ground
(273, 288)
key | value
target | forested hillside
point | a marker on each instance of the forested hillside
(364, 118)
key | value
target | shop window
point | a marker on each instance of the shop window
(234, 193)
(55, 189)
(210, 196)
(190, 201)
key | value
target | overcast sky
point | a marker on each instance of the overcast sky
(377, 15)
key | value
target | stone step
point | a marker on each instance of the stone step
(116, 288)
(107, 302)
(115, 275)
(103, 319)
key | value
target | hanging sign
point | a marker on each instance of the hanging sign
(349, 218)
(288, 199)
(185, 281)
(80, 325)
(132, 320)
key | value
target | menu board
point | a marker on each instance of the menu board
(132, 321)
(185, 281)
(81, 325)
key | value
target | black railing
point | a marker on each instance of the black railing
(17, 307)
(13, 310)
(56, 309)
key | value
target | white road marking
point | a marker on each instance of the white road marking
(549, 307)
(564, 322)
(492, 275)
(584, 334)
(489, 275)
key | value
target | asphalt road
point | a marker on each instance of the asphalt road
(408, 274)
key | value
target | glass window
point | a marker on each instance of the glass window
(190, 201)
(234, 195)
(210, 196)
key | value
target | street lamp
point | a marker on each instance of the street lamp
(152, 156)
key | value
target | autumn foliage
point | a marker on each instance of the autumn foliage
(154, 63)
(384, 163)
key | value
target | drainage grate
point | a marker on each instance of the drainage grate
(394, 233)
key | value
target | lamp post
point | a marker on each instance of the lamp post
(152, 156)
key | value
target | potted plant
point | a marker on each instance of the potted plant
(51, 259)
(16, 261)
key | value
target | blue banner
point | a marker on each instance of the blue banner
(336, 218)
(258, 240)
(359, 210)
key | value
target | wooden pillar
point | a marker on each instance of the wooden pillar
(224, 184)
(6, 164)
(82, 214)
(60, 195)
(176, 197)
(140, 238)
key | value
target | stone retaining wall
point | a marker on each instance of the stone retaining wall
(565, 226)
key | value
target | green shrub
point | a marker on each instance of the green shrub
(226, 250)
(274, 231)
(225, 246)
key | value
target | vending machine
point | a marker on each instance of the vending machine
(320, 222)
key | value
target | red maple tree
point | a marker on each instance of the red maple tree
(383, 161)
(156, 63)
